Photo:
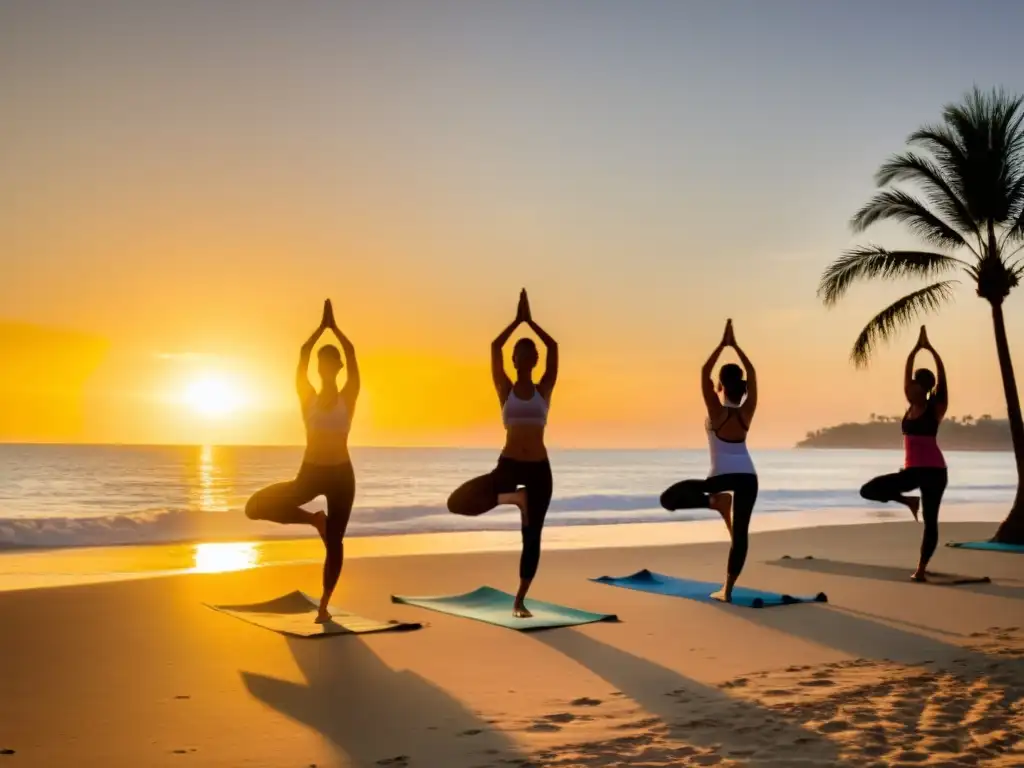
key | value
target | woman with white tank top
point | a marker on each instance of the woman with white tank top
(732, 469)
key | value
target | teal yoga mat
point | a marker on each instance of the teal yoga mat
(659, 584)
(990, 546)
(495, 607)
(293, 615)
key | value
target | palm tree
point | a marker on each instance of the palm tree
(967, 202)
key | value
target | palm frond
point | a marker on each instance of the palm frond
(901, 312)
(941, 191)
(945, 147)
(872, 261)
(1016, 230)
(898, 205)
(987, 127)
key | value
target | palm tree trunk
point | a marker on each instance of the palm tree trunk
(1011, 531)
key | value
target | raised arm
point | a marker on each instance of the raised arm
(750, 403)
(547, 383)
(303, 386)
(707, 375)
(908, 370)
(350, 392)
(502, 383)
(941, 395)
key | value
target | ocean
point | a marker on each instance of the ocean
(61, 495)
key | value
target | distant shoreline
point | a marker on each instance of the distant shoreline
(883, 432)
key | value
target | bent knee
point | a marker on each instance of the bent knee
(252, 508)
(455, 504)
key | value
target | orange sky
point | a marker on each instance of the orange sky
(181, 191)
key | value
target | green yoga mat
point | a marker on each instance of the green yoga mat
(495, 607)
(989, 546)
(293, 615)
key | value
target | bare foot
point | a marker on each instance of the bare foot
(323, 616)
(725, 595)
(320, 523)
(915, 504)
(722, 503)
(520, 612)
(518, 499)
(919, 576)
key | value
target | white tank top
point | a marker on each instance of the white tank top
(518, 412)
(727, 457)
(333, 420)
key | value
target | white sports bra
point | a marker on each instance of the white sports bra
(330, 420)
(520, 413)
(728, 457)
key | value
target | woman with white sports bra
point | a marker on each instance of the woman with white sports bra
(732, 470)
(326, 466)
(523, 474)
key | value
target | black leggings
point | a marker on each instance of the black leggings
(932, 483)
(696, 494)
(280, 503)
(480, 495)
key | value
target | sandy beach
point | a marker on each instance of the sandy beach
(888, 673)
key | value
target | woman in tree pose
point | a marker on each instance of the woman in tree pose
(924, 467)
(732, 470)
(523, 474)
(326, 466)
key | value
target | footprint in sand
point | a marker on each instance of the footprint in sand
(911, 756)
(544, 728)
(560, 717)
(742, 752)
(183, 697)
(739, 682)
(471, 732)
(834, 726)
(585, 701)
(6, 751)
(401, 760)
(817, 683)
(707, 759)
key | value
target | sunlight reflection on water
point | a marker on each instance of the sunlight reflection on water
(221, 557)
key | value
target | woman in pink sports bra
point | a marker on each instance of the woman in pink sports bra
(924, 467)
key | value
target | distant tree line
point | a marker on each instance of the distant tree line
(963, 433)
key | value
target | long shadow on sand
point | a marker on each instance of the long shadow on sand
(373, 714)
(968, 696)
(692, 713)
(891, 573)
(862, 638)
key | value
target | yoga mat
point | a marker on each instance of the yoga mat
(495, 607)
(991, 546)
(659, 584)
(867, 571)
(293, 614)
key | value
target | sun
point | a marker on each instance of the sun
(212, 396)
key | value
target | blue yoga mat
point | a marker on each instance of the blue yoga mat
(659, 584)
(495, 607)
(991, 546)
